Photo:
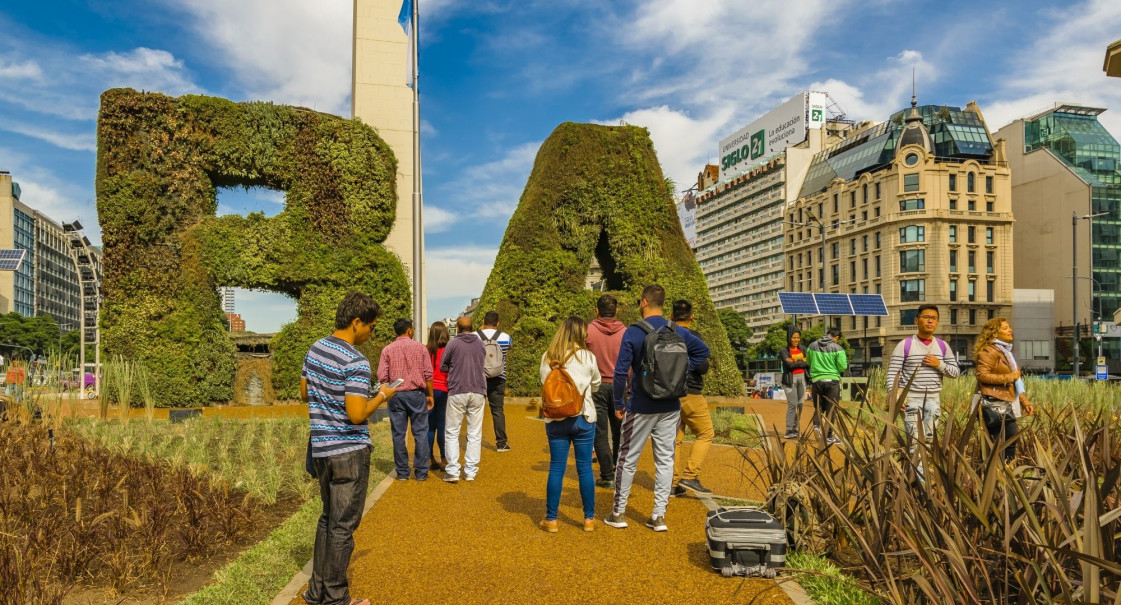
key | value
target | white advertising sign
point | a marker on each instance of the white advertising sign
(772, 134)
(687, 215)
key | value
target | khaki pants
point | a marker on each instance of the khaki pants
(695, 415)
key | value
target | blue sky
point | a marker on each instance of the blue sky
(499, 75)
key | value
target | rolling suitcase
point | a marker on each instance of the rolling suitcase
(745, 541)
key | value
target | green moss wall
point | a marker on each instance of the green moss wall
(159, 162)
(595, 187)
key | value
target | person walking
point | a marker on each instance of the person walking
(927, 358)
(335, 384)
(1000, 384)
(568, 348)
(605, 335)
(694, 413)
(645, 416)
(437, 339)
(496, 342)
(467, 386)
(827, 361)
(795, 379)
(408, 360)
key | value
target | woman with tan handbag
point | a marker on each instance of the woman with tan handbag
(1000, 387)
(569, 376)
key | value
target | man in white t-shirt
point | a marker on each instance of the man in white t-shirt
(496, 385)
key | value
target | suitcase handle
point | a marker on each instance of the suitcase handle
(749, 546)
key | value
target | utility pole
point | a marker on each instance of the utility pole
(1074, 218)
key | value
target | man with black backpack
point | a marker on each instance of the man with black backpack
(497, 345)
(656, 357)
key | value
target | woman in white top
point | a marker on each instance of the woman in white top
(570, 343)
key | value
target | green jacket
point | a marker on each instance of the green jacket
(827, 359)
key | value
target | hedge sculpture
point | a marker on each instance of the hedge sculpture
(595, 192)
(159, 162)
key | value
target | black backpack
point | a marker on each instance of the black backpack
(665, 362)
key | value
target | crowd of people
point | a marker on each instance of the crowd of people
(628, 384)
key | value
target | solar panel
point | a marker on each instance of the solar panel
(833, 304)
(10, 259)
(868, 304)
(797, 303)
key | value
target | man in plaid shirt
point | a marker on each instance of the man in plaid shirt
(409, 360)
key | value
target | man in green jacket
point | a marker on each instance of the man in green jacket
(827, 361)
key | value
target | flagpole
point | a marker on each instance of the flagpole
(418, 227)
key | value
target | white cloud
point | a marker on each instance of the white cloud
(882, 92)
(458, 270)
(19, 71)
(84, 141)
(492, 190)
(438, 220)
(1063, 65)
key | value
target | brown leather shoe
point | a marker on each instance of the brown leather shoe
(590, 524)
(549, 526)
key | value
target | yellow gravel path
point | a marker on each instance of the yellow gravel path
(478, 542)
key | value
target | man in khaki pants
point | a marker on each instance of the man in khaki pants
(694, 414)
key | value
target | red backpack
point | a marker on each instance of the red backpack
(559, 396)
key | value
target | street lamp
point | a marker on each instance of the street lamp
(812, 221)
(1074, 218)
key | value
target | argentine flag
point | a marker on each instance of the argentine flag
(406, 21)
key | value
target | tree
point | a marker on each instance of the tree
(739, 335)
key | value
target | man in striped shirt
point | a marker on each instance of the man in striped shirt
(335, 384)
(927, 358)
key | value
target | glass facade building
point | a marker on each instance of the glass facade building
(23, 232)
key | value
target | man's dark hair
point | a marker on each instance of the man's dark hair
(834, 332)
(402, 325)
(491, 318)
(607, 305)
(655, 296)
(356, 305)
(927, 308)
(682, 310)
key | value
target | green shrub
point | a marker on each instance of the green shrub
(160, 161)
(595, 192)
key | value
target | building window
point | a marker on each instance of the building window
(877, 269)
(852, 246)
(917, 204)
(911, 261)
(971, 205)
(820, 209)
(864, 265)
(876, 212)
(836, 274)
(953, 290)
(988, 184)
(852, 199)
(912, 290)
(972, 261)
(990, 290)
(865, 193)
(907, 317)
(836, 250)
(877, 240)
(971, 235)
(910, 182)
(953, 261)
(992, 313)
(988, 235)
(953, 182)
(852, 270)
(989, 258)
(953, 234)
(834, 203)
(953, 316)
(792, 262)
(972, 293)
(969, 186)
(864, 215)
(912, 233)
(988, 206)
(973, 317)
(953, 203)
(864, 244)
(877, 191)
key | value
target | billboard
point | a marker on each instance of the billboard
(687, 215)
(771, 134)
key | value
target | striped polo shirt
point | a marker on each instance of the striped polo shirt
(333, 369)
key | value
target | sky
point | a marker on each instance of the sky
(499, 75)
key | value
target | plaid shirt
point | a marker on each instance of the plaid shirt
(408, 359)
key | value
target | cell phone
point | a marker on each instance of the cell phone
(396, 383)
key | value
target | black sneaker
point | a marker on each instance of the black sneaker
(695, 485)
(606, 483)
(790, 435)
(657, 523)
(680, 491)
(503, 448)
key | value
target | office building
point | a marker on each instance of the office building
(739, 207)
(1066, 164)
(227, 296)
(47, 281)
(237, 324)
(918, 209)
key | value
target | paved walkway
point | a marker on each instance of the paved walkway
(478, 542)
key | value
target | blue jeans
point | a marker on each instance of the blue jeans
(436, 418)
(409, 408)
(581, 434)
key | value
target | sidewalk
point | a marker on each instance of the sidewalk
(478, 542)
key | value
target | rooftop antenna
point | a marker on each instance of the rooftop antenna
(914, 100)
